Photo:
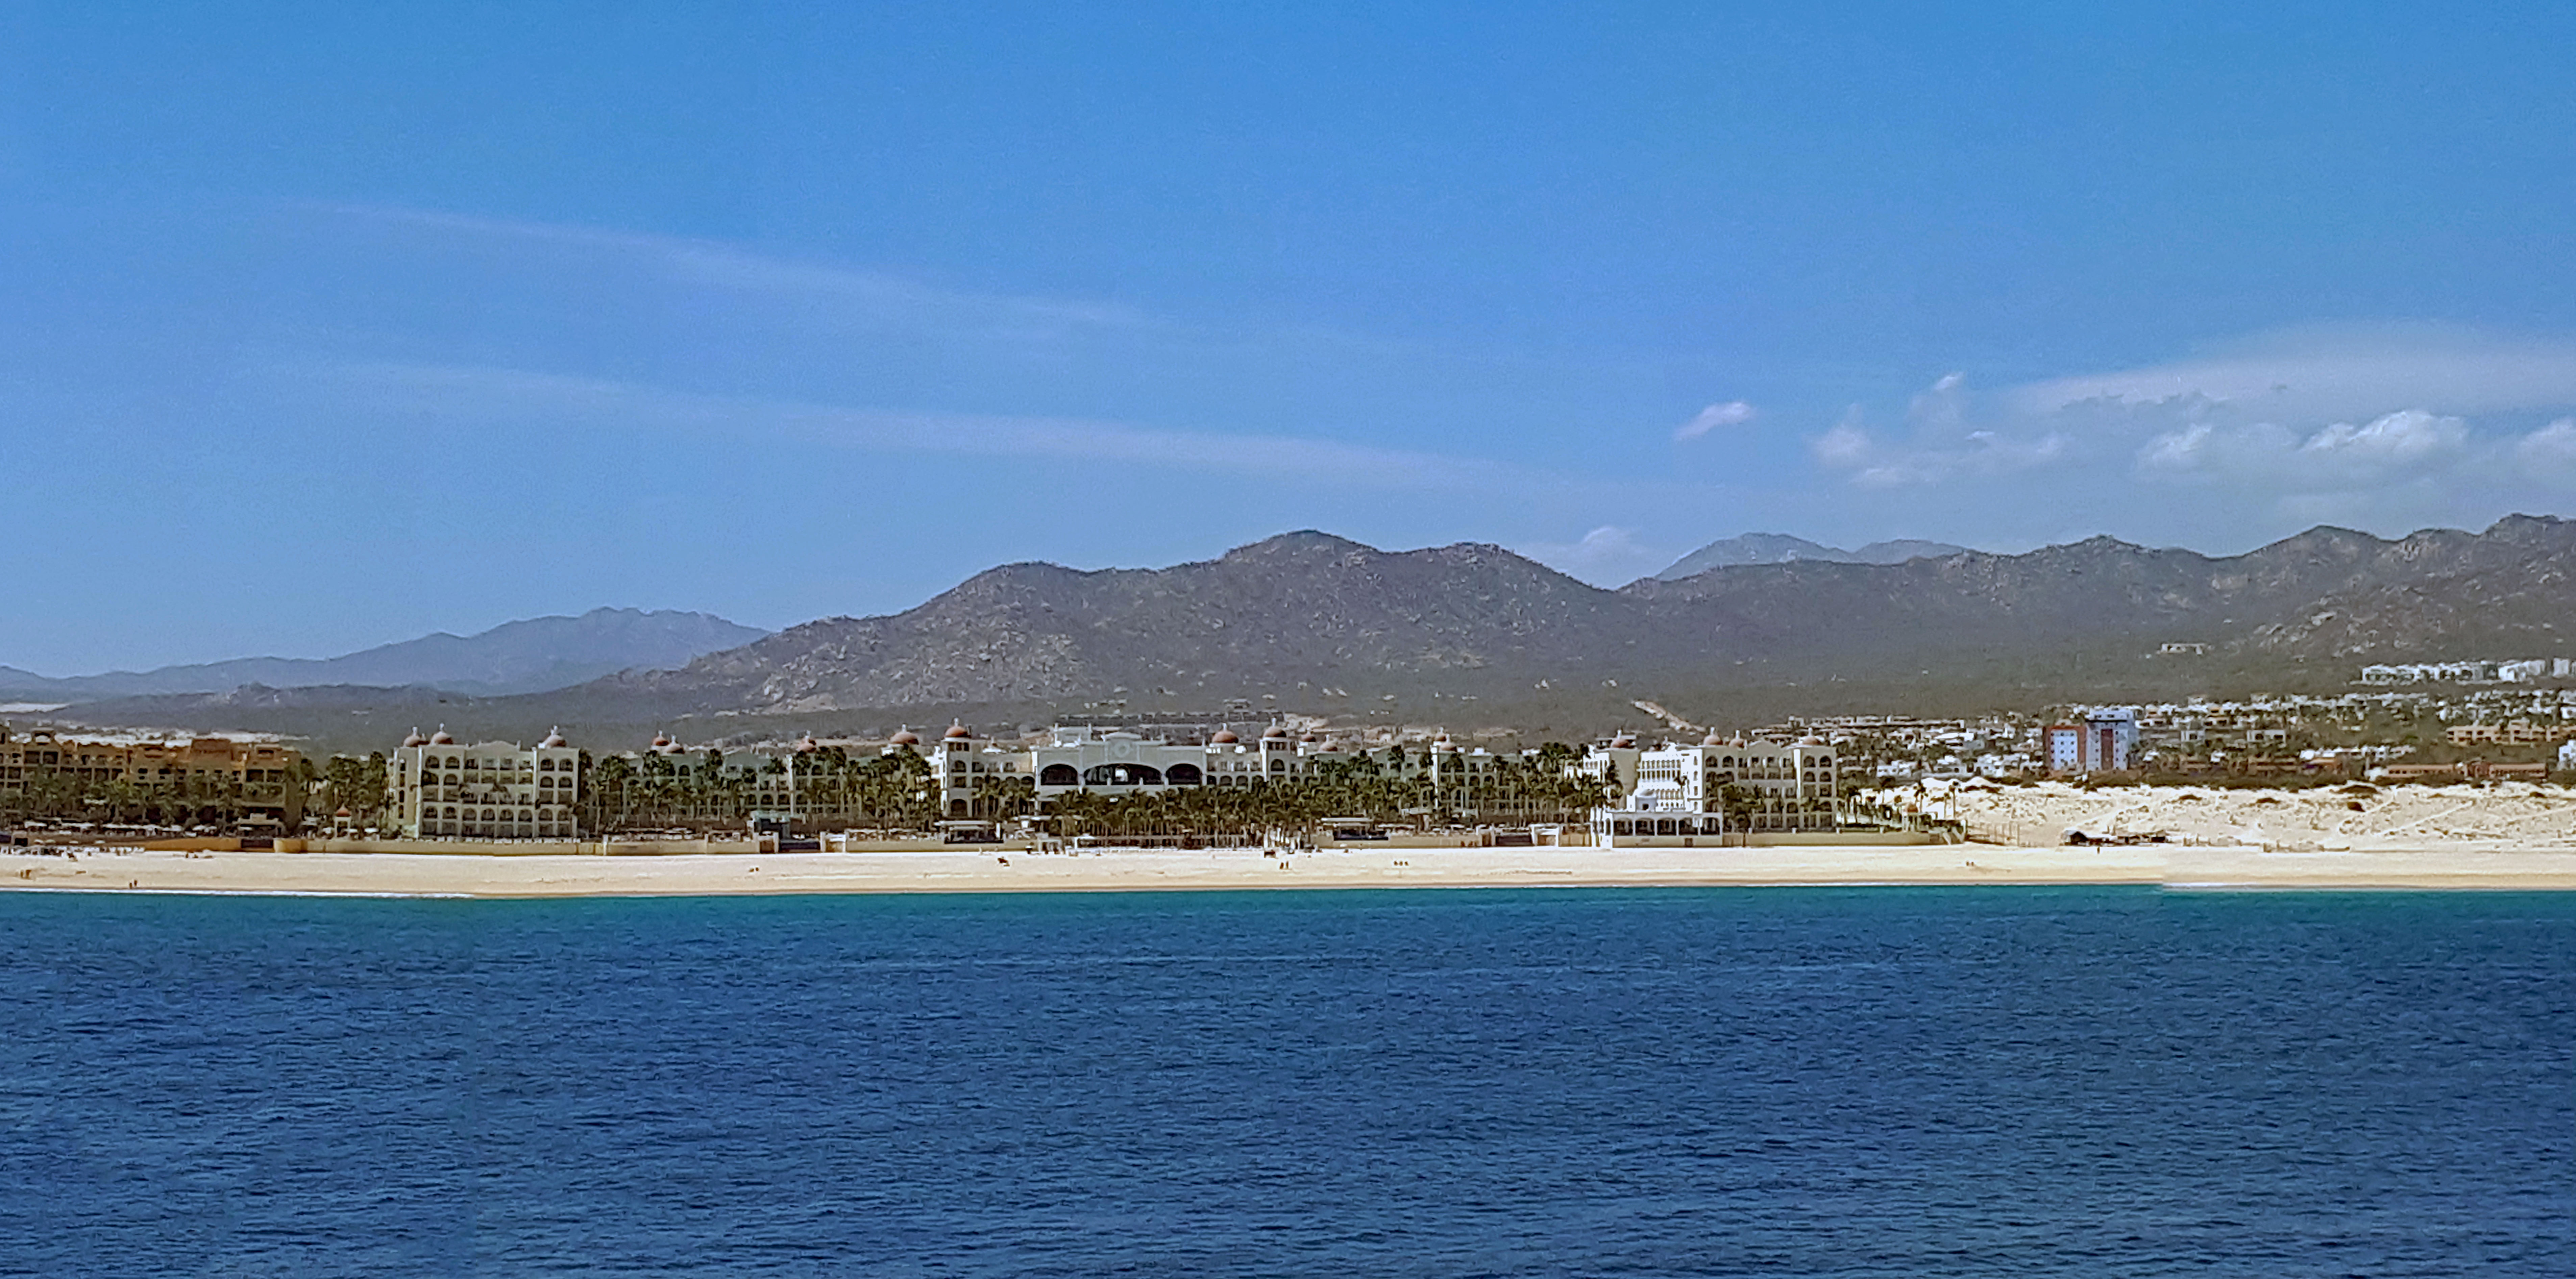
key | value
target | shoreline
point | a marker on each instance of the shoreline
(452, 876)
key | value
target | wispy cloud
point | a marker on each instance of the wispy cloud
(2321, 374)
(1731, 413)
(719, 265)
(472, 396)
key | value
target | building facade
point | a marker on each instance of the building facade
(439, 788)
(1766, 773)
(204, 781)
(2105, 741)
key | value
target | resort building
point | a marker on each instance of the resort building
(439, 788)
(2104, 743)
(1694, 779)
(1087, 758)
(204, 781)
(1768, 777)
(2520, 732)
(961, 760)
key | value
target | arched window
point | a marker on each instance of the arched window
(1184, 775)
(1059, 775)
(1122, 775)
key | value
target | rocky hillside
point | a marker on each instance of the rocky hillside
(1300, 607)
(1316, 618)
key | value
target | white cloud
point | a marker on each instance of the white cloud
(1731, 413)
(1943, 442)
(1845, 447)
(2549, 451)
(1607, 556)
(2406, 438)
(2375, 427)
(2340, 456)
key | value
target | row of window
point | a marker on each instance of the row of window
(468, 761)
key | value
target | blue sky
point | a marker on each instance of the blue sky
(328, 326)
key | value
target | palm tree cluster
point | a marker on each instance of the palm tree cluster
(829, 786)
(1375, 789)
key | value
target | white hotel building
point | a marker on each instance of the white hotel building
(1679, 792)
(439, 788)
(1693, 779)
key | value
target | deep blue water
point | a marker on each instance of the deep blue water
(1775, 1081)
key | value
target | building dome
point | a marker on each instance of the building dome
(1224, 737)
(661, 740)
(807, 743)
(344, 812)
(1623, 742)
(956, 732)
(415, 739)
(1276, 734)
(554, 741)
(442, 739)
(905, 737)
(1714, 738)
(1312, 737)
(1811, 740)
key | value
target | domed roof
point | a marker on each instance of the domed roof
(1312, 737)
(807, 743)
(1811, 740)
(1622, 742)
(442, 739)
(415, 739)
(905, 737)
(344, 812)
(661, 740)
(1714, 738)
(956, 733)
(1276, 734)
(1224, 737)
(554, 740)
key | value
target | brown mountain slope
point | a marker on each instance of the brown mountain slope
(1307, 609)
(1302, 606)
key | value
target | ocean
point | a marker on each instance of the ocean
(1810, 1082)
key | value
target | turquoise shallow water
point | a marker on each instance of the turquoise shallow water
(1669, 1082)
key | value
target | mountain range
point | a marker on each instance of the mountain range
(1781, 548)
(528, 656)
(1309, 610)
(1315, 624)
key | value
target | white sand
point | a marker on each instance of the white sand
(1138, 870)
(2506, 816)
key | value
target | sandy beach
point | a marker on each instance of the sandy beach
(1156, 870)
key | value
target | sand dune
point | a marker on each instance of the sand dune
(2511, 815)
